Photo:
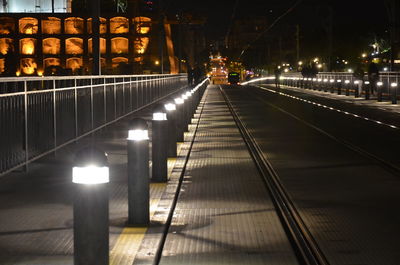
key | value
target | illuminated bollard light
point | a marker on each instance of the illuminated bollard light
(347, 86)
(172, 130)
(393, 88)
(332, 85)
(138, 173)
(179, 102)
(313, 84)
(90, 176)
(325, 85)
(190, 106)
(186, 111)
(367, 90)
(339, 86)
(379, 91)
(319, 81)
(357, 88)
(159, 145)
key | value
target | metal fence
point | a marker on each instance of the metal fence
(386, 87)
(40, 115)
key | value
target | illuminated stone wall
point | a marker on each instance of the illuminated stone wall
(50, 42)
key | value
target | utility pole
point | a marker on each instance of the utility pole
(393, 11)
(95, 12)
(161, 36)
(280, 49)
(297, 43)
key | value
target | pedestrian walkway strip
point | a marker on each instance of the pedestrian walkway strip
(130, 239)
(330, 108)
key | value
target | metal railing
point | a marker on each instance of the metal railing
(40, 115)
(385, 88)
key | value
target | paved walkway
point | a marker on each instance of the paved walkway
(224, 213)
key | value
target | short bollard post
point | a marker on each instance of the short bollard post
(325, 85)
(379, 91)
(332, 85)
(339, 86)
(186, 110)
(190, 108)
(172, 130)
(159, 145)
(347, 84)
(393, 88)
(356, 88)
(180, 123)
(367, 87)
(90, 176)
(138, 173)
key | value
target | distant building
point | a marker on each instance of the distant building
(38, 42)
(35, 6)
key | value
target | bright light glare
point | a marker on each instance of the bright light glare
(159, 116)
(179, 101)
(90, 175)
(379, 83)
(170, 106)
(393, 84)
(138, 135)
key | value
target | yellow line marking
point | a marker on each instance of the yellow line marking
(130, 239)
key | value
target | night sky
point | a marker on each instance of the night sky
(352, 20)
(349, 15)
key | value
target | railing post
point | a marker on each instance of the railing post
(54, 114)
(76, 108)
(105, 100)
(91, 107)
(115, 98)
(26, 125)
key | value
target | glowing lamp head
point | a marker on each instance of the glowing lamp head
(184, 97)
(347, 81)
(90, 167)
(179, 101)
(188, 94)
(159, 113)
(356, 82)
(325, 80)
(379, 83)
(339, 81)
(138, 130)
(170, 107)
(393, 84)
(332, 80)
(366, 82)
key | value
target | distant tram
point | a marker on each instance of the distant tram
(233, 78)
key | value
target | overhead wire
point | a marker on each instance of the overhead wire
(271, 26)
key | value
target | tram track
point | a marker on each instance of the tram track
(303, 243)
(388, 166)
(160, 248)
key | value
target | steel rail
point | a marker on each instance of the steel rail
(160, 248)
(388, 166)
(303, 243)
